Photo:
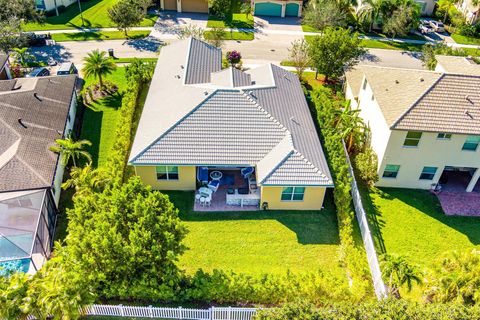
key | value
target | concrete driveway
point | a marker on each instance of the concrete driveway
(169, 23)
(275, 23)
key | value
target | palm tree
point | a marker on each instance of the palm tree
(21, 55)
(351, 126)
(71, 149)
(84, 179)
(369, 12)
(399, 273)
(98, 64)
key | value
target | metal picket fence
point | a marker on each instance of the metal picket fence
(212, 313)
(378, 284)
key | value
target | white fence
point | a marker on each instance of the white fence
(378, 284)
(213, 313)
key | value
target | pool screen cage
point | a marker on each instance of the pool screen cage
(27, 226)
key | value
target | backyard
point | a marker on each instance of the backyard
(95, 14)
(411, 223)
(260, 241)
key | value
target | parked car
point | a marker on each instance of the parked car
(425, 27)
(437, 26)
(37, 40)
(39, 72)
(66, 68)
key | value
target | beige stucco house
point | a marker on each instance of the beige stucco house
(425, 125)
(248, 136)
(469, 10)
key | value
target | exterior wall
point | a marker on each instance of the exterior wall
(430, 152)
(470, 16)
(50, 4)
(57, 182)
(429, 7)
(282, 3)
(312, 200)
(186, 178)
(373, 117)
(194, 6)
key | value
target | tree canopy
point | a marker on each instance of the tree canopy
(126, 14)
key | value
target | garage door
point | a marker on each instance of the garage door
(291, 10)
(170, 5)
(195, 6)
(268, 9)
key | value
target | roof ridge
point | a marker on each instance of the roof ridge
(31, 169)
(278, 164)
(268, 114)
(311, 164)
(400, 118)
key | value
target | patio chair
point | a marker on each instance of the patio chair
(202, 175)
(246, 172)
(213, 185)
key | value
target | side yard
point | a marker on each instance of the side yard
(234, 18)
(95, 14)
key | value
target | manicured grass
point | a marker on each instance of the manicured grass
(234, 35)
(101, 35)
(411, 36)
(129, 60)
(101, 117)
(95, 14)
(260, 241)
(391, 45)
(233, 19)
(465, 40)
(307, 28)
(384, 44)
(411, 223)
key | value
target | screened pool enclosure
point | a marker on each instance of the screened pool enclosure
(27, 223)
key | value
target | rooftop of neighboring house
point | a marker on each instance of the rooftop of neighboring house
(3, 60)
(33, 114)
(421, 100)
(460, 65)
(198, 114)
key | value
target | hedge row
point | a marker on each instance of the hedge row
(353, 259)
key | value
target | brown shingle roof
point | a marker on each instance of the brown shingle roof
(451, 105)
(30, 164)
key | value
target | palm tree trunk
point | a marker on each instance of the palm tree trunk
(445, 16)
(100, 80)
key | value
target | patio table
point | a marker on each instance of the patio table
(216, 175)
(205, 190)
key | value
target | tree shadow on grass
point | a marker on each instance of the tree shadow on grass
(311, 227)
(91, 130)
(428, 204)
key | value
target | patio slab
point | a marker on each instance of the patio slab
(460, 203)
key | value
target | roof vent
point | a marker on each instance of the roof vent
(21, 123)
(205, 93)
(181, 66)
(421, 79)
(17, 87)
(177, 76)
(253, 82)
(397, 82)
(294, 121)
(467, 97)
(468, 114)
(37, 96)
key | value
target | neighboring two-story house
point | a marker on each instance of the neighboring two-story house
(425, 125)
(34, 112)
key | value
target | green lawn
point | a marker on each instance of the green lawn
(234, 35)
(411, 223)
(233, 19)
(101, 117)
(384, 44)
(465, 40)
(95, 14)
(101, 35)
(261, 241)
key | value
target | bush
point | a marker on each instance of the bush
(378, 310)
(469, 30)
(366, 163)
(219, 8)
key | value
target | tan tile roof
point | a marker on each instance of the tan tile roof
(460, 65)
(397, 89)
(450, 105)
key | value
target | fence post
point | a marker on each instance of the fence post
(121, 310)
(229, 314)
(210, 310)
(179, 312)
(150, 311)
(93, 310)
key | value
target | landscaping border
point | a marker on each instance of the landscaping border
(378, 284)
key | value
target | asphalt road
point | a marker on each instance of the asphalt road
(265, 48)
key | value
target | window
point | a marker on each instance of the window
(471, 144)
(391, 171)
(444, 136)
(293, 193)
(428, 173)
(412, 139)
(167, 173)
(365, 84)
